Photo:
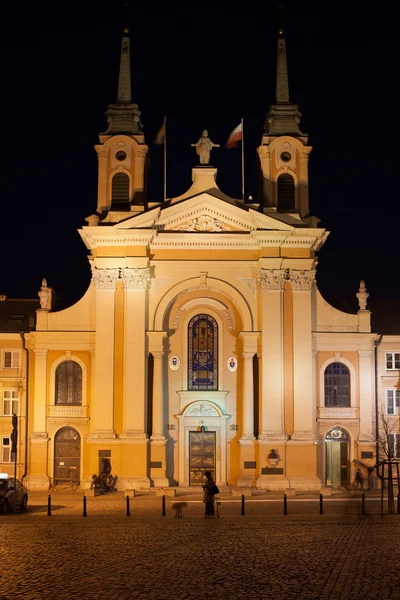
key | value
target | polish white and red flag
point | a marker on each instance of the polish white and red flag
(235, 137)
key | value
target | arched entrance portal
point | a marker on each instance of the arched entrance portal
(337, 457)
(202, 442)
(67, 456)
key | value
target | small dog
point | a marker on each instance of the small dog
(178, 506)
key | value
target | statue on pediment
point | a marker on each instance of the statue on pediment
(203, 147)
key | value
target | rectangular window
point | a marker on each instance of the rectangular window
(11, 359)
(6, 455)
(10, 403)
(393, 444)
(392, 402)
(392, 361)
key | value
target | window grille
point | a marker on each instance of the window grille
(68, 383)
(337, 385)
(120, 192)
(286, 192)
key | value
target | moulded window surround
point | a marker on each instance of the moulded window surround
(352, 382)
(392, 401)
(203, 353)
(53, 370)
(11, 359)
(392, 361)
(10, 403)
(6, 455)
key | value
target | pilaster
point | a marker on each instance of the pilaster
(136, 282)
(302, 283)
(366, 387)
(247, 476)
(272, 389)
(102, 410)
(158, 439)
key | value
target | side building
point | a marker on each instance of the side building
(202, 342)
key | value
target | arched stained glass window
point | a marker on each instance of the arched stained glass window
(203, 353)
(68, 383)
(337, 385)
(286, 192)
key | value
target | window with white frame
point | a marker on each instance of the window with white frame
(392, 361)
(10, 403)
(392, 402)
(11, 359)
(6, 455)
(393, 445)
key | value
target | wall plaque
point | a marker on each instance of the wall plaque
(249, 464)
(271, 471)
(367, 455)
(156, 465)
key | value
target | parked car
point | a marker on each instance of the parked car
(9, 487)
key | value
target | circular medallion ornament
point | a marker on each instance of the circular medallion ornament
(174, 363)
(231, 364)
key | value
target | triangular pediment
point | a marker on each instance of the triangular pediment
(204, 213)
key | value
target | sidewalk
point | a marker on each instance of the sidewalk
(261, 504)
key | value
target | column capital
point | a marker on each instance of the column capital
(41, 351)
(105, 279)
(155, 341)
(250, 341)
(364, 353)
(272, 279)
(302, 281)
(136, 279)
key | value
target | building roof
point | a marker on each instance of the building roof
(17, 314)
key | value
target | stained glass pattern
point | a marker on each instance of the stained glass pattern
(203, 353)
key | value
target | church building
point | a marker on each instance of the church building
(202, 342)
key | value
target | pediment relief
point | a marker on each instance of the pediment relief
(203, 223)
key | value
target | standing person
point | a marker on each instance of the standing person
(359, 480)
(209, 498)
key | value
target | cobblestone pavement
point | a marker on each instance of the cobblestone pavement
(306, 556)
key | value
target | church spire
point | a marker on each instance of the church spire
(124, 82)
(282, 82)
(124, 116)
(283, 118)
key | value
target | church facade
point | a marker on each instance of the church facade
(202, 342)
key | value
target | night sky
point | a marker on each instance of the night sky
(202, 69)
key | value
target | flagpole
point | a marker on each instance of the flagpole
(242, 161)
(165, 159)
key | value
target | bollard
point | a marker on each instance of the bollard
(363, 504)
(321, 506)
(242, 512)
(49, 506)
(285, 504)
(163, 513)
(128, 511)
(84, 514)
